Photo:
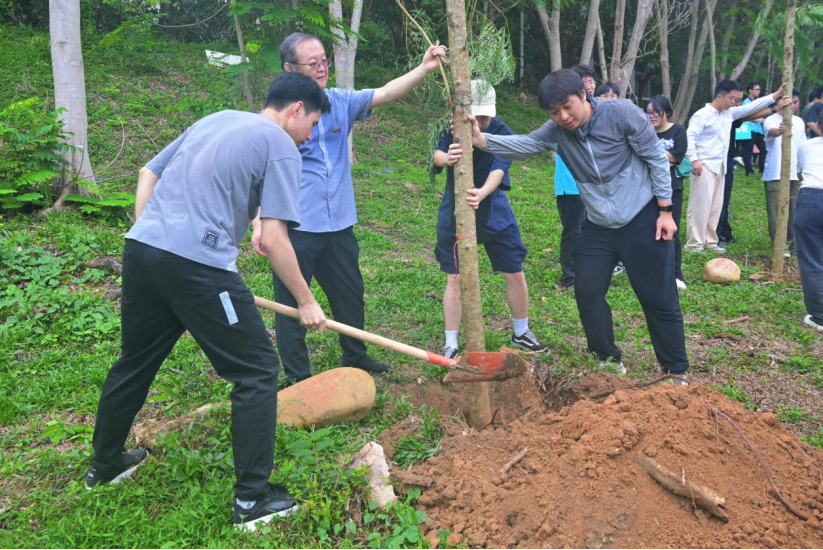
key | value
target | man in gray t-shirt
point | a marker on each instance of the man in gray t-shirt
(194, 204)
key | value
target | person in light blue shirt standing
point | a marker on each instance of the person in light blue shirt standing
(325, 245)
(570, 207)
(756, 127)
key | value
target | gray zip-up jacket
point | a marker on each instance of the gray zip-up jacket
(615, 158)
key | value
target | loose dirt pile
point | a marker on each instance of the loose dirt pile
(580, 484)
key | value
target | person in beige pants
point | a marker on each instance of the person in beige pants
(709, 130)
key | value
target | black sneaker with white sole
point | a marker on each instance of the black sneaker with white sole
(449, 352)
(131, 461)
(279, 502)
(528, 341)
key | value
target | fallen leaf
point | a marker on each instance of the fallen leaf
(548, 250)
(410, 187)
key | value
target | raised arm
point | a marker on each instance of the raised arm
(402, 85)
(516, 146)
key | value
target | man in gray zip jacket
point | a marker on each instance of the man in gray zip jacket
(614, 155)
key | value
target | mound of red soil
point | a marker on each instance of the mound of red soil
(580, 483)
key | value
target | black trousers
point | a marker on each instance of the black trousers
(650, 267)
(572, 214)
(677, 214)
(724, 228)
(747, 151)
(332, 259)
(163, 296)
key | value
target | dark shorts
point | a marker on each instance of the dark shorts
(505, 249)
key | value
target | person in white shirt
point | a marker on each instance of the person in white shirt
(808, 226)
(774, 129)
(708, 132)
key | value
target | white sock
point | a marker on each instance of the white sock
(521, 326)
(246, 504)
(451, 339)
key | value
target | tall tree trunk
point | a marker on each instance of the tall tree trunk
(786, 160)
(769, 71)
(698, 57)
(724, 44)
(601, 51)
(345, 51)
(551, 28)
(479, 410)
(242, 45)
(712, 47)
(623, 76)
(688, 83)
(617, 44)
(663, 35)
(591, 33)
(755, 36)
(70, 91)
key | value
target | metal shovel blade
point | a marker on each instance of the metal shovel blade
(491, 366)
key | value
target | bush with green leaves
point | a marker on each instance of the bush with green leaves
(31, 142)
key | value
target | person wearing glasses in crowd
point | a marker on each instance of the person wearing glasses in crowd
(674, 142)
(325, 245)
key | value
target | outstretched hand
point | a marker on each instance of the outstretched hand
(430, 62)
(782, 103)
(779, 92)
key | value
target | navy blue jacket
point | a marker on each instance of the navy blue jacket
(494, 214)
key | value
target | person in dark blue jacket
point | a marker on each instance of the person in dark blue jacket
(497, 228)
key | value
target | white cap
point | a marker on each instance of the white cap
(485, 106)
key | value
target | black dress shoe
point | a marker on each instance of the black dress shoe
(369, 365)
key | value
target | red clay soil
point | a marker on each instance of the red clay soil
(580, 483)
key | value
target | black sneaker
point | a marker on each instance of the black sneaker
(528, 341)
(131, 460)
(279, 502)
(370, 365)
(449, 352)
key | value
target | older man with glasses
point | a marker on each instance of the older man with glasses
(325, 245)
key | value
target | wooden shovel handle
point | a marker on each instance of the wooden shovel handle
(361, 335)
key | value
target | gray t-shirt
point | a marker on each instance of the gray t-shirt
(213, 178)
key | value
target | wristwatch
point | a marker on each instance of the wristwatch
(667, 208)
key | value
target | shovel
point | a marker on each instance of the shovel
(475, 367)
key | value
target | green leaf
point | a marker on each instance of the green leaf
(29, 197)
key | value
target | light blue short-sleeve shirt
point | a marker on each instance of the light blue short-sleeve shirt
(564, 183)
(326, 188)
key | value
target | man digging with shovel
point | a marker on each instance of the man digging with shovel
(194, 204)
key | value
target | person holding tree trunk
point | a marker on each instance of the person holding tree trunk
(774, 128)
(708, 131)
(325, 245)
(194, 203)
(623, 175)
(497, 228)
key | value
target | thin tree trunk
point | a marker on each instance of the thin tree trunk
(70, 92)
(617, 44)
(479, 409)
(591, 33)
(755, 36)
(698, 56)
(786, 160)
(769, 71)
(601, 51)
(682, 90)
(663, 34)
(551, 28)
(724, 44)
(712, 47)
(623, 77)
(345, 52)
(242, 45)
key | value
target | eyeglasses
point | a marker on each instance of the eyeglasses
(652, 114)
(316, 65)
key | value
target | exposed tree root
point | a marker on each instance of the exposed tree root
(638, 385)
(679, 485)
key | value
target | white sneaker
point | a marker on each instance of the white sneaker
(681, 285)
(809, 321)
(787, 254)
(679, 382)
(717, 248)
(739, 161)
(618, 269)
(618, 366)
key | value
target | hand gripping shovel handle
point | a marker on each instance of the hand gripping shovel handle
(369, 337)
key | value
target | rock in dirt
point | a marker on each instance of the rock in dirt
(721, 271)
(380, 488)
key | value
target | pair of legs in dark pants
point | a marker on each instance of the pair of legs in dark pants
(572, 214)
(808, 236)
(332, 259)
(163, 296)
(747, 151)
(724, 228)
(650, 267)
(677, 215)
